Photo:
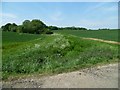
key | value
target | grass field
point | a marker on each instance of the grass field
(111, 35)
(56, 53)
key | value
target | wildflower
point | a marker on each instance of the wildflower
(37, 45)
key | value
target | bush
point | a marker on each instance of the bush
(49, 32)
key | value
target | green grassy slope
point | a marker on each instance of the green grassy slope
(111, 35)
(54, 54)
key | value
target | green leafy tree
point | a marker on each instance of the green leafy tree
(6, 27)
(13, 27)
(9, 27)
(38, 26)
(19, 28)
(26, 26)
(35, 27)
(53, 28)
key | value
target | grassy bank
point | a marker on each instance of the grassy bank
(55, 53)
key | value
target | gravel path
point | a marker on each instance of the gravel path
(97, 77)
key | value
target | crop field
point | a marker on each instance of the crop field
(111, 35)
(56, 53)
(13, 37)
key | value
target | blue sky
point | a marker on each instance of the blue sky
(81, 14)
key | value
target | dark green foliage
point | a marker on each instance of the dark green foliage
(26, 26)
(49, 32)
(104, 29)
(19, 29)
(33, 27)
(68, 28)
(6, 27)
(53, 28)
(9, 27)
(13, 27)
(72, 28)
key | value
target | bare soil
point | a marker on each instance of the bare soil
(101, 40)
(97, 77)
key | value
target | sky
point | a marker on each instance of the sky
(92, 15)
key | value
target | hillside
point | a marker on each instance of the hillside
(48, 54)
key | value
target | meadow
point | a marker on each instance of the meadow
(52, 54)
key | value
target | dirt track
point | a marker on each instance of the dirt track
(101, 40)
(97, 77)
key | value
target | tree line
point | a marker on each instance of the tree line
(35, 27)
(66, 28)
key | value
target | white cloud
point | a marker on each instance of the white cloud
(57, 16)
(7, 15)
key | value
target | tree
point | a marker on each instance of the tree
(38, 26)
(6, 27)
(9, 27)
(26, 26)
(19, 28)
(35, 27)
(53, 28)
(13, 27)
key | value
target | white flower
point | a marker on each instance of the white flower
(62, 46)
(37, 45)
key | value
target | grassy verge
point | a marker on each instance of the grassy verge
(55, 53)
